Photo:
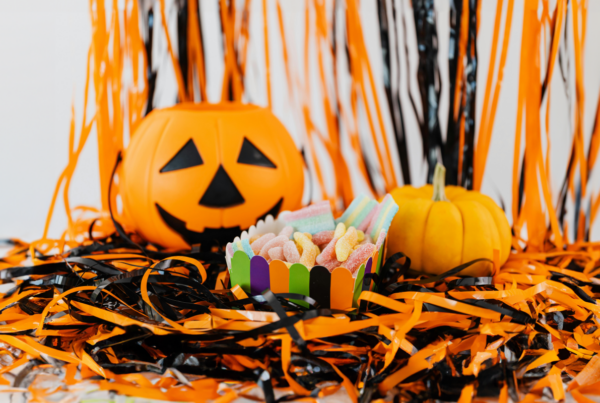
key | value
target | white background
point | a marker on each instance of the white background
(43, 50)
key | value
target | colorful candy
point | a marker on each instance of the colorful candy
(381, 239)
(345, 244)
(311, 219)
(311, 236)
(358, 211)
(356, 259)
(360, 235)
(276, 253)
(365, 224)
(247, 248)
(367, 239)
(236, 246)
(290, 252)
(273, 243)
(331, 264)
(308, 251)
(260, 242)
(322, 238)
(288, 230)
(383, 219)
(340, 230)
(328, 252)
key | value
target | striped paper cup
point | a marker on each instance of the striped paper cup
(338, 289)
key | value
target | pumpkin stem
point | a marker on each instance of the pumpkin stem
(439, 182)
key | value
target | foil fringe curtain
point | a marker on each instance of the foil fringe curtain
(357, 135)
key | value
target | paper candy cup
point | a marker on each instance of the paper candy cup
(336, 290)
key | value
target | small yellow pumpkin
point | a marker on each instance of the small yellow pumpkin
(442, 227)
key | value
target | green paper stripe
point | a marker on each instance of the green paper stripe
(299, 282)
(358, 285)
(240, 271)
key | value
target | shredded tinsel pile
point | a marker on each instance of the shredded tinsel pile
(167, 327)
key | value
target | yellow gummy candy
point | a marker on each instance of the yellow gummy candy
(345, 244)
(361, 235)
(254, 238)
(340, 230)
(309, 252)
(308, 235)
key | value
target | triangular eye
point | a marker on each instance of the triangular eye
(187, 157)
(251, 155)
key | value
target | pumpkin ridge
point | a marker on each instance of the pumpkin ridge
(424, 233)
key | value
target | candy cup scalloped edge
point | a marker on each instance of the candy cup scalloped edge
(269, 224)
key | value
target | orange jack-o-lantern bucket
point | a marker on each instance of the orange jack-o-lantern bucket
(202, 173)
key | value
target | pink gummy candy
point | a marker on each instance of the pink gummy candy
(276, 253)
(331, 264)
(277, 241)
(290, 251)
(376, 214)
(323, 237)
(365, 223)
(328, 253)
(380, 239)
(311, 211)
(260, 242)
(288, 230)
(358, 257)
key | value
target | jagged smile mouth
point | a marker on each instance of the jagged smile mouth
(212, 236)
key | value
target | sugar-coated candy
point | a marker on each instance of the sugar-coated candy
(276, 253)
(357, 211)
(317, 250)
(367, 239)
(331, 264)
(308, 235)
(288, 230)
(383, 219)
(345, 244)
(312, 219)
(247, 248)
(254, 238)
(365, 223)
(373, 220)
(237, 246)
(308, 251)
(340, 230)
(380, 239)
(277, 241)
(328, 252)
(358, 257)
(299, 247)
(290, 252)
(322, 238)
(360, 235)
(260, 242)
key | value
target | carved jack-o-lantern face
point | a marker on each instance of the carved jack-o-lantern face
(202, 173)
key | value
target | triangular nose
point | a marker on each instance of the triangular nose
(221, 192)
